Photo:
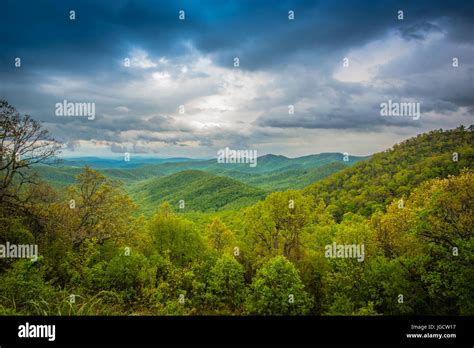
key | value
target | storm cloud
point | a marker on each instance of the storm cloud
(181, 95)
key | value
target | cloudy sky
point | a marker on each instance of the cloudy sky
(282, 62)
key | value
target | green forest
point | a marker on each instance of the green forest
(201, 238)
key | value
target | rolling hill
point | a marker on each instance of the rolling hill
(280, 180)
(201, 191)
(271, 173)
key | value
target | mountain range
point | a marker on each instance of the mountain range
(361, 185)
(204, 185)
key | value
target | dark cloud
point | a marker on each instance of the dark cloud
(338, 118)
(293, 61)
(257, 31)
(419, 31)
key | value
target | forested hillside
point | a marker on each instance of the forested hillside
(194, 190)
(404, 219)
(272, 172)
(370, 185)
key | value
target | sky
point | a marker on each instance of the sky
(333, 65)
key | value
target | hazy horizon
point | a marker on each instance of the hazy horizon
(143, 156)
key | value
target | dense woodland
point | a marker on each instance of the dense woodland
(410, 206)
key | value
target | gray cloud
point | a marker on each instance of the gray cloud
(190, 63)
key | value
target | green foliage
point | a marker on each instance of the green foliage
(444, 220)
(411, 208)
(125, 274)
(198, 190)
(276, 226)
(13, 231)
(226, 289)
(175, 236)
(219, 237)
(24, 289)
(294, 178)
(370, 185)
(277, 290)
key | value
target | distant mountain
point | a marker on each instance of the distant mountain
(271, 173)
(370, 185)
(118, 162)
(280, 180)
(199, 190)
(60, 176)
